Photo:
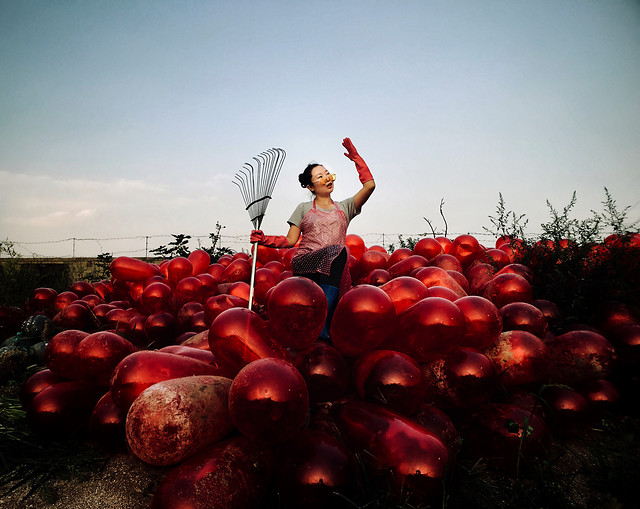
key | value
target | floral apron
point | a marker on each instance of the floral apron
(323, 238)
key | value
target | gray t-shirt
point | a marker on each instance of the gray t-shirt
(347, 206)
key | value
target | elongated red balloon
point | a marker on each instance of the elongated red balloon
(132, 269)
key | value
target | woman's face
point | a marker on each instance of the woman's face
(321, 180)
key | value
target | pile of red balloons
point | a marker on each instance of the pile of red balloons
(430, 346)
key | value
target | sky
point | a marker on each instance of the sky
(124, 122)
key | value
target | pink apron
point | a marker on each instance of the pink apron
(323, 237)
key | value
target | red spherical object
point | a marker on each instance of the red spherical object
(315, 470)
(483, 322)
(63, 299)
(444, 293)
(447, 262)
(519, 269)
(568, 410)
(506, 288)
(405, 291)
(239, 336)
(580, 355)
(428, 247)
(98, 354)
(524, 316)
(237, 270)
(188, 289)
(215, 305)
(463, 378)
(356, 245)
(435, 420)
(387, 440)
(601, 394)
(325, 372)
(520, 358)
(431, 328)
(550, 310)
(391, 379)
(62, 409)
(436, 276)
(60, 355)
(75, 316)
(200, 261)
(42, 300)
(478, 276)
(626, 338)
(297, 310)
(178, 268)
(371, 260)
(81, 288)
(36, 383)
(231, 474)
(407, 265)
(269, 400)
(186, 313)
(465, 248)
(264, 281)
(377, 277)
(156, 297)
(498, 257)
(161, 328)
(107, 424)
(364, 318)
(399, 254)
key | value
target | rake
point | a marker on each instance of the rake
(256, 180)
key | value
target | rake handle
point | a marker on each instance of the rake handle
(254, 262)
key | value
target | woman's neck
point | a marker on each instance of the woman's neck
(324, 202)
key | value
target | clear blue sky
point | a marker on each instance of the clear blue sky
(130, 118)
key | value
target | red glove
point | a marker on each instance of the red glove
(278, 241)
(363, 170)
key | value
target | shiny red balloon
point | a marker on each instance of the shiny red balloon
(63, 299)
(391, 379)
(98, 354)
(371, 260)
(568, 410)
(399, 254)
(520, 358)
(239, 336)
(215, 305)
(142, 369)
(407, 266)
(200, 261)
(81, 288)
(315, 470)
(75, 316)
(437, 276)
(186, 313)
(478, 276)
(232, 473)
(107, 424)
(36, 383)
(62, 409)
(524, 316)
(483, 322)
(161, 328)
(430, 328)
(463, 378)
(156, 297)
(325, 372)
(581, 355)
(42, 300)
(237, 270)
(428, 247)
(404, 292)
(387, 440)
(465, 248)
(178, 268)
(269, 400)
(447, 262)
(602, 394)
(60, 355)
(377, 277)
(364, 318)
(297, 310)
(129, 269)
(436, 421)
(188, 289)
(506, 288)
(356, 245)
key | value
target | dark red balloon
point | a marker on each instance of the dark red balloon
(132, 269)
(269, 400)
(436, 421)
(43, 300)
(107, 424)
(407, 265)
(364, 318)
(178, 268)
(391, 379)
(483, 322)
(465, 248)
(188, 289)
(508, 287)
(215, 305)
(200, 261)
(405, 291)
(387, 441)
(436, 276)
(520, 358)
(325, 372)
(446, 262)
(239, 336)
(315, 470)
(60, 355)
(371, 260)
(297, 310)
(478, 276)
(63, 299)
(36, 383)
(399, 254)
(75, 316)
(568, 411)
(81, 288)
(161, 329)
(98, 354)
(237, 270)
(524, 316)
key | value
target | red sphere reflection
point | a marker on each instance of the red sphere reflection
(325, 371)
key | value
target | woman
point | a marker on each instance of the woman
(321, 255)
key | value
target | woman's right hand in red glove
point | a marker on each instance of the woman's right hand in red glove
(278, 241)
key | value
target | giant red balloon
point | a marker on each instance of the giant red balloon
(269, 400)
(156, 297)
(297, 310)
(405, 291)
(325, 371)
(177, 269)
(508, 287)
(363, 319)
(98, 354)
(200, 261)
(132, 269)
(60, 355)
(483, 322)
(524, 316)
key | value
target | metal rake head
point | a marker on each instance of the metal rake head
(256, 180)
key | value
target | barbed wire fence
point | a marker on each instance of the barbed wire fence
(141, 246)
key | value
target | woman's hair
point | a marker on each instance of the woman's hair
(305, 177)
